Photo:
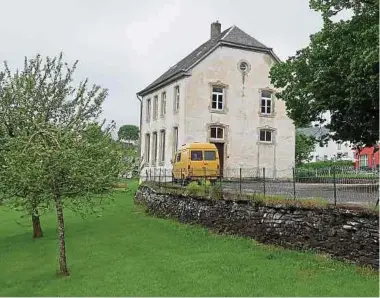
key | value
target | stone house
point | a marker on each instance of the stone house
(219, 93)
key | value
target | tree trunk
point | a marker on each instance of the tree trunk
(61, 237)
(37, 230)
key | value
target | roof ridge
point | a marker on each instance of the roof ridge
(230, 29)
(232, 35)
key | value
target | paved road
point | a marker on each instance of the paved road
(364, 194)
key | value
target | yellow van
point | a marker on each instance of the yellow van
(196, 160)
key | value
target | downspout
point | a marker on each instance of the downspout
(140, 141)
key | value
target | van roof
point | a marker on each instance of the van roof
(199, 145)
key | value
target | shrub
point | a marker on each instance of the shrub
(194, 189)
(216, 192)
(327, 164)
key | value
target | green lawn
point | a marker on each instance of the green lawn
(127, 253)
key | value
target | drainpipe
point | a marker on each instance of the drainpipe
(140, 149)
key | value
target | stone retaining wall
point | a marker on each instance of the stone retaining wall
(345, 234)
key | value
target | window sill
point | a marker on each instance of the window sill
(265, 143)
(224, 111)
(267, 115)
(216, 140)
(175, 112)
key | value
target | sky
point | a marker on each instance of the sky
(125, 45)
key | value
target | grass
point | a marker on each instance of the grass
(215, 192)
(127, 253)
(307, 175)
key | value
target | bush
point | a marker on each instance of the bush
(194, 189)
(327, 164)
(216, 192)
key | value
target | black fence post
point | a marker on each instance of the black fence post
(150, 174)
(164, 182)
(204, 180)
(294, 183)
(220, 182)
(240, 180)
(264, 182)
(334, 181)
(159, 179)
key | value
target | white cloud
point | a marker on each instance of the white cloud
(124, 45)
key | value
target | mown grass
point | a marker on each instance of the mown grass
(370, 176)
(216, 192)
(127, 253)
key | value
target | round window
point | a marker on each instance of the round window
(243, 66)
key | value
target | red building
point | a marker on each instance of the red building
(367, 157)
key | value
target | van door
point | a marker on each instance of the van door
(196, 163)
(177, 166)
(211, 162)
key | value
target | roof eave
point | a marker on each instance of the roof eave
(251, 48)
(169, 80)
(201, 58)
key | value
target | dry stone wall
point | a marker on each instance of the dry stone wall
(343, 233)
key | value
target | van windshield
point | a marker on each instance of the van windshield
(210, 155)
(196, 155)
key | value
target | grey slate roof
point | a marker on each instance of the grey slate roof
(316, 132)
(230, 36)
(238, 36)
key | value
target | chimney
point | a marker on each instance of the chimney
(216, 29)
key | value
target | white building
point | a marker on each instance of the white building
(332, 150)
(219, 93)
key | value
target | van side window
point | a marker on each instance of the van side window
(179, 157)
(196, 155)
(210, 155)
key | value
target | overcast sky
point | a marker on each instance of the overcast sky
(125, 45)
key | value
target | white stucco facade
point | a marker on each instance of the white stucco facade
(333, 151)
(240, 118)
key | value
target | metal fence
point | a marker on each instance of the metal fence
(336, 185)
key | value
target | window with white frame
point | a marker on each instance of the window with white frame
(266, 135)
(363, 160)
(162, 145)
(155, 107)
(217, 132)
(339, 146)
(176, 98)
(266, 107)
(163, 104)
(175, 139)
(147, 147)
(217, 101)
(154, 156)
(148, 109)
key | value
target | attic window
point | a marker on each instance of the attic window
(244, 66)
